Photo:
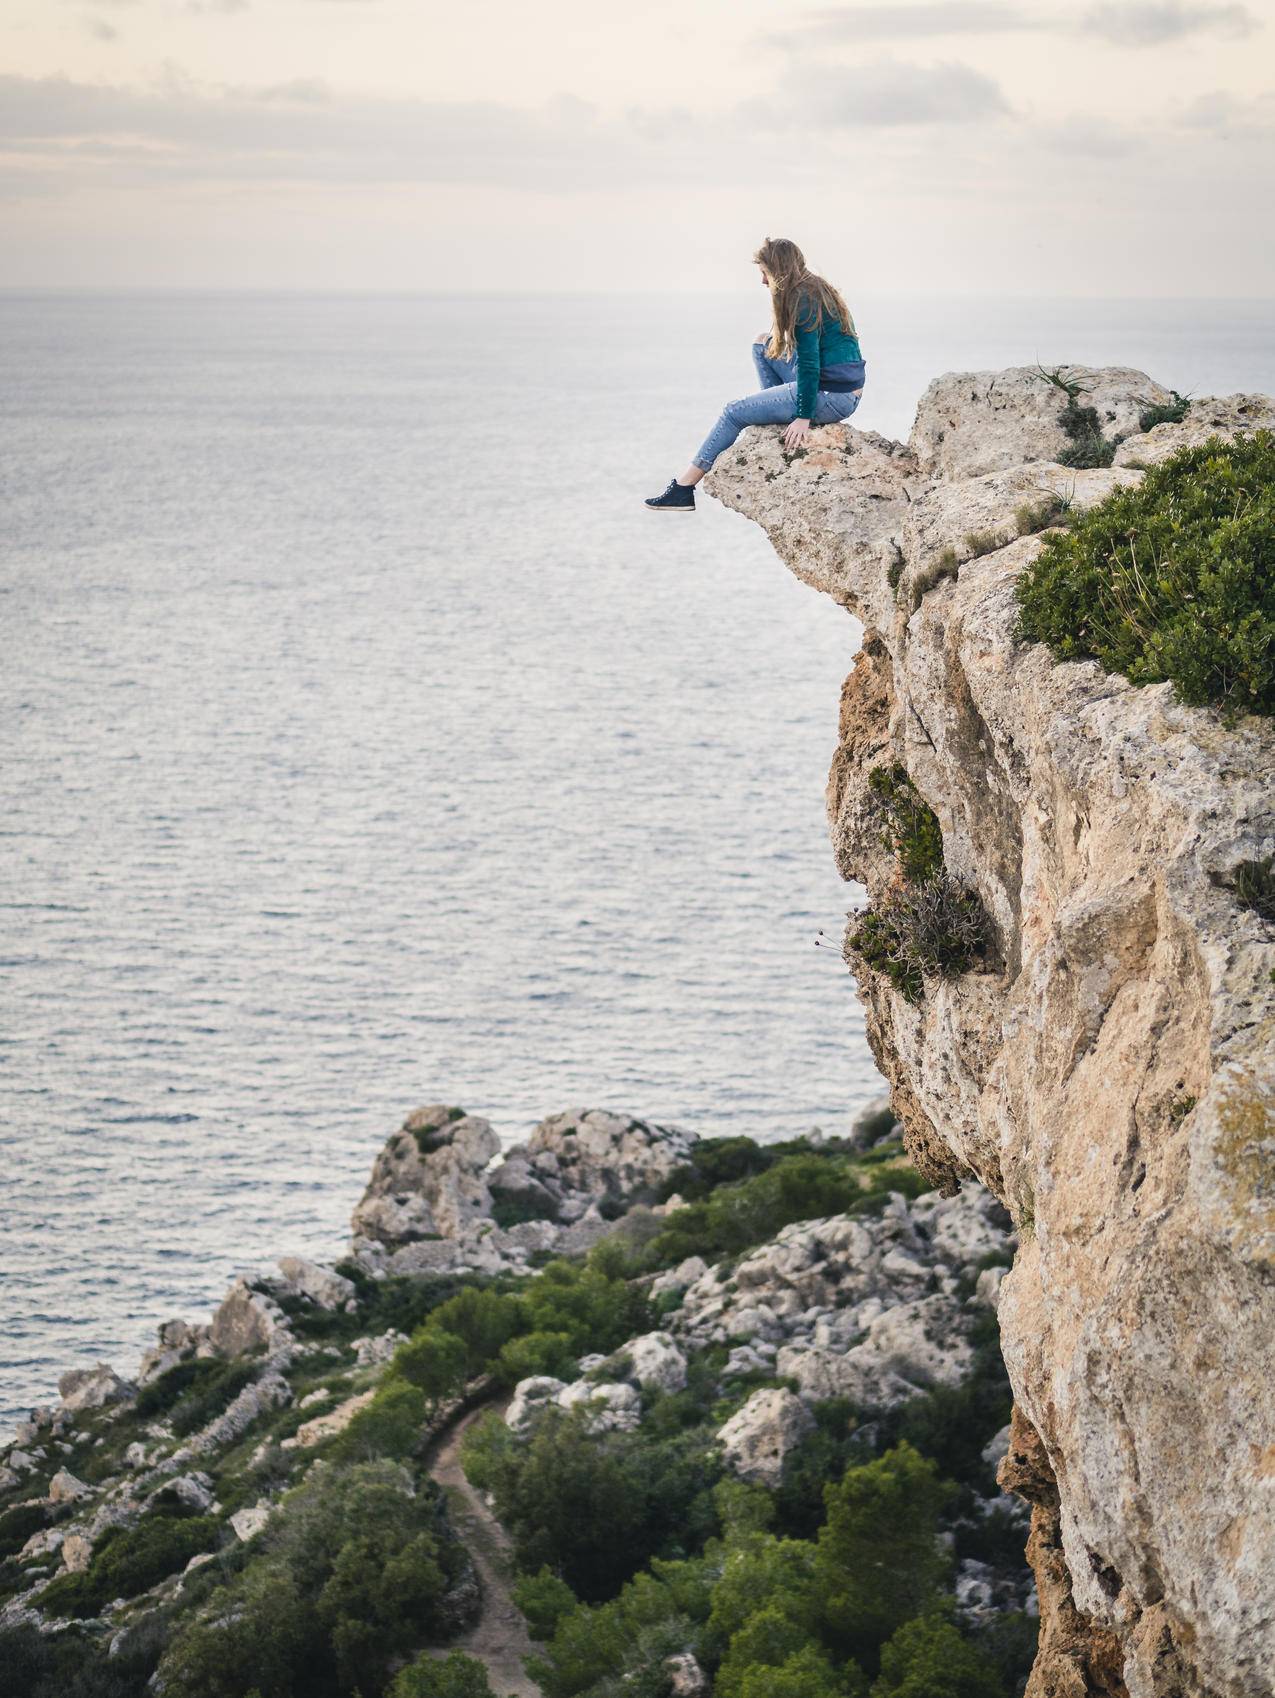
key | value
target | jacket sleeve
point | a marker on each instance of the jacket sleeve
(807, 339)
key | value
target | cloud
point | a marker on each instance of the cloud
(100, 30)
(848, 25)
(882, 95)
(1089, 137)
(1152, 23)
(1222, 115)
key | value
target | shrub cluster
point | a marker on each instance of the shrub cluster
(1172, 580)
(926, 923)
(129, 1560)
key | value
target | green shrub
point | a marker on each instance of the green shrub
(452, 1676)
(1171, 580)
(928, 1657)
(350, 1578)
(211, 1394)
(1033, 516)
(483, 1320)
(435, 1362)
(1164, 412)
(1254, 885)
(937, 927)
(627, 1639)
(912, 827)
(129, 1560)
(544, 1599)
(392, 1425)
(536, 1353)
(18, 1523)
(808, 1673)
(1088, 446)
(563, 1493)
(878, 1561)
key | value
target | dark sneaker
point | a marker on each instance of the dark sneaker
(677, 498)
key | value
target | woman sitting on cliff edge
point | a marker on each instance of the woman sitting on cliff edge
(809, 363)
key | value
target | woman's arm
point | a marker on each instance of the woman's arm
(806, 337)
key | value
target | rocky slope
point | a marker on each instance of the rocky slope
(1110, 1073)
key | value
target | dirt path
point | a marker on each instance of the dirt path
(499, 1638)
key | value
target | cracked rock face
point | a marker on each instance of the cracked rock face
(428, 1180)
(1110, 1075)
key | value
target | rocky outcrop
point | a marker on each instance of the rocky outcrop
(590, 1159)
(757, 1438)
(1110, 1072)
(428, 1180)
(876, 1309)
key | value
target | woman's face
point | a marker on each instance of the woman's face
(764, 277)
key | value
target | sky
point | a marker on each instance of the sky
(1103, 147)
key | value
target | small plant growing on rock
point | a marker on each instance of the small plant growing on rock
(1164, 412)
(927, 922)
(1033, 516)
(1171, 579)
(1088, 447)
(1252, 883)
(979, 543)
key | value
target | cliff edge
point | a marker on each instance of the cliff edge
(1108, 1070)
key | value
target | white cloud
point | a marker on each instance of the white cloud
(853, 24)
(883, 95)
(1152, 23)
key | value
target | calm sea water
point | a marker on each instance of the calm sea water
(366, 742)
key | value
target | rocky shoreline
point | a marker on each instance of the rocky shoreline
(879, 1307)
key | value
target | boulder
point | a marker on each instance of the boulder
(77, 1552)
(65, 1488)
(92, 1388)
(370, 1352)
(610, 1407)
(594, 1159)
(247, 1320)
(326, 1426)
(193, 1491)
(323, 1286)
(655, 1361)
(686, 1679)
(247, 1523)
(428, 1180)
(757, 1439)
(44, 1543)
(530, 1397)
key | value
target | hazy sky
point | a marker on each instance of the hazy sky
(1120, 147)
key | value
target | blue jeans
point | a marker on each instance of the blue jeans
(775, 403)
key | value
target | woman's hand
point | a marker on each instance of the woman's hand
(795, 434)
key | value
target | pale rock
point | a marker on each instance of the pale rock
(199, 1559)
(530, 1397)
(678, 1279)
(610, 1407)
(194, 1492)
(594, 1159)
(65, 1488)
(655, 1361)
(77, 1552)
(987, 1288)
(370, 1352)
(325, 1426)
(135, 1455)
(321, 1395)
(248, 1523)
(44, 1543)
(8, 1479)
(873, 1123)
(686, 1679)
(758, 1438)
(1110, 1075)
(22, 1462)
(247, 1320)
(323, 1286)
(429, 1179)
(92, 1388)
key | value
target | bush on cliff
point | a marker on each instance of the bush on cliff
(1174, 579)
(129, 1560)
(351, 1577)
(565, 1494)
(452, 1676)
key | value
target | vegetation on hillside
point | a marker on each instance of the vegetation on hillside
(1172, 580)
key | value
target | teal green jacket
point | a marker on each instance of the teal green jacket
(827, 358)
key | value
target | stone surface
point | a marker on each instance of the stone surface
(247, 1523)
(757, 1438)
(65, 1488)
(655, 1361)
(593, 1159)
(428, 1180)
(323, 1286)
(1111, 1075)
(247, 1320)
(325, 1426)
(92, 1388)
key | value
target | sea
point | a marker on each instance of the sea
(366, 743)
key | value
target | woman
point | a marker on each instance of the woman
(811, 369)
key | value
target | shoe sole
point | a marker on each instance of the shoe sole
(669, 509)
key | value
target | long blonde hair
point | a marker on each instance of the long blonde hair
(791, 285)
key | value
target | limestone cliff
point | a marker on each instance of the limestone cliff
(1110, 1072)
